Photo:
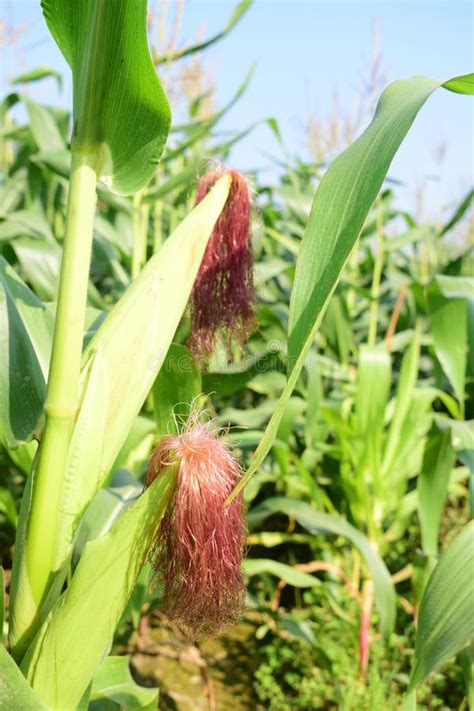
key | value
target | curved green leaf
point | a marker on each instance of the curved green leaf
(292, 576)
(341, 204)
(120, 108)
(343, 200)
(316, 522)
(446, 620)
(459, 213)
(37, 74)
(237, 13)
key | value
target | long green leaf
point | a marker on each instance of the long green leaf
(38, 73)
(119, 105)
(403, 400)
(45, 131)
(459, 213)
(237, 13)
(373, 387)
(432, 485)
(341, 204)
(446, 619)
(292, 576)
(81, 625)
(448, 318)
(316, 522)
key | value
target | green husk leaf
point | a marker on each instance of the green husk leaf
(81, 625)
(125, 355)
(15, 692)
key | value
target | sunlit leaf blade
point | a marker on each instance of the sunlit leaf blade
(461, 85)
(445, 620)
(119, 105)
(316, 522)
(80, 628)
(373, 387)
(15, 692)
(343, 200)
(341, 204)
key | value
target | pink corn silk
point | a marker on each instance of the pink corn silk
(201, 541)
(223, 297)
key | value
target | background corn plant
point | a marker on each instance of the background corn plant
(349, 402)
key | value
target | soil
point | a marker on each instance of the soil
(215, 675)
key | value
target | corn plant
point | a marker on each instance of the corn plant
(80, 400)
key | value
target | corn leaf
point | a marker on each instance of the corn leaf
(120, 108)
(445, 620)
(432, 485)
(239, 10)
(448, 317)
(403, 401)
(37, 74)
(373, 387)
(43, 127)
(2, 602)
(340, 207)
(291, 576)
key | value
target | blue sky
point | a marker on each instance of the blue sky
(305, 50)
